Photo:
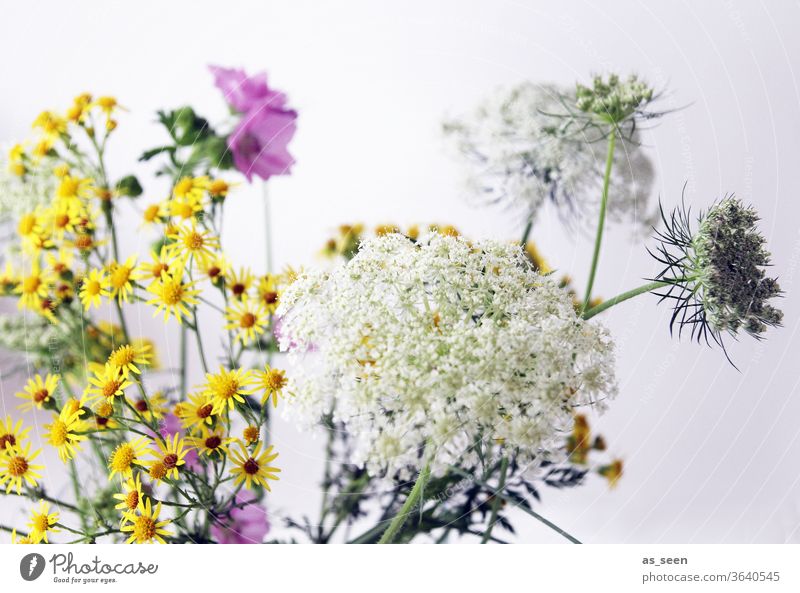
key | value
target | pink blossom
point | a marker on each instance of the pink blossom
(245, 524)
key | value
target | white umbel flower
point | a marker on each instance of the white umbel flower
(522, 149)
(20, 195)
(442, 342)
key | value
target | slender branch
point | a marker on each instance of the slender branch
(414, 497)
(612, 138)
(496, 500)
(649, 287)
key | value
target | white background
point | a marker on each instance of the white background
(711, 454)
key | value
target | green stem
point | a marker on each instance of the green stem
(414, 497)
(199, 341)
(496, 500)
(524, 509)
(612, 138)
(184, 378)
(527, 231)
(649, 287)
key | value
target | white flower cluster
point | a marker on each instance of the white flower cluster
(443, 342)
(19, 195)
(523, 149)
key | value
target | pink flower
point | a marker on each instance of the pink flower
(245, 524)
(243, 92)
(259, 143)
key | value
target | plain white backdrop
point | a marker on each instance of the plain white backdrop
(711, 454)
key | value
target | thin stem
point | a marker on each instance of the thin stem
(414, 497)
(524, 509)
(612, 138)
(527, 231)
(184, 378)
(649, 287)
(496, 500)
(199, 341)
(267, 229)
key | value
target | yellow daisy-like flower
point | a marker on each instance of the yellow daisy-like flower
(29, 224)
(172, 295)
(191, 187)
(62, 433)
(184, 208)
(127, 356)
(131, 498)
(272, 382)
(144, 344)
(238, 284)
(196, 414)
(11, 434)
(215, 269)
(167, 458)
(34, 287)
(93, 287)
(63, 217)
(73, 189)
(155, 409)
(107, 104)
(8, 279)
(154, 214)
(268, 292)
(212, 443)
(22, 539)
(158, 265)
(248, 318)
(38, 392)
(16, 466)
(144, 526)
(255, 468)
(251, 434)
(225, 388)
(219, 188)
(102, 415)
(125, 456)
(122, 276)
(192, 243)
(59, 262)
(42, 522)
(50, 124)
(80, 108)
(108, 382)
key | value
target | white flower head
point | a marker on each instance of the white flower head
(522, 149)
(444, 342)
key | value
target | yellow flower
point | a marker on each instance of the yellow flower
(184, 208)
(16, 466)
(24, 539)
(108, 382)
(122, 276)
(42, 522)
(8, 279)
(197, 413)
(248, 319)
(51, 124)
(144, 526)
(172, 295)
(612, 472)
(80, 108)
(146, 345)
(189, 242)
(72, 189)
(11, 434)
(125, 456)
(107, 104)
(126, 357)
(153, 214)
(38, 391)
(268, 292)
(215, 268)
(225, 388)
(34, 287)
(102, 415)
(539, 263)
(29, 224)
(211, 443)
(191, 187)
(62, 432)
(219, 188)
(239, 283)
(271, 381)
(167, 458)
(251, 434)
(158, 265)
(93, 288)
(253, 468)
(156, 408)
(131, 498)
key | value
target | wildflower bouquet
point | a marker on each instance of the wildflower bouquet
(152, 457)
(451, 377)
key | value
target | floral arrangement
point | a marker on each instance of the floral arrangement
(452, 378)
